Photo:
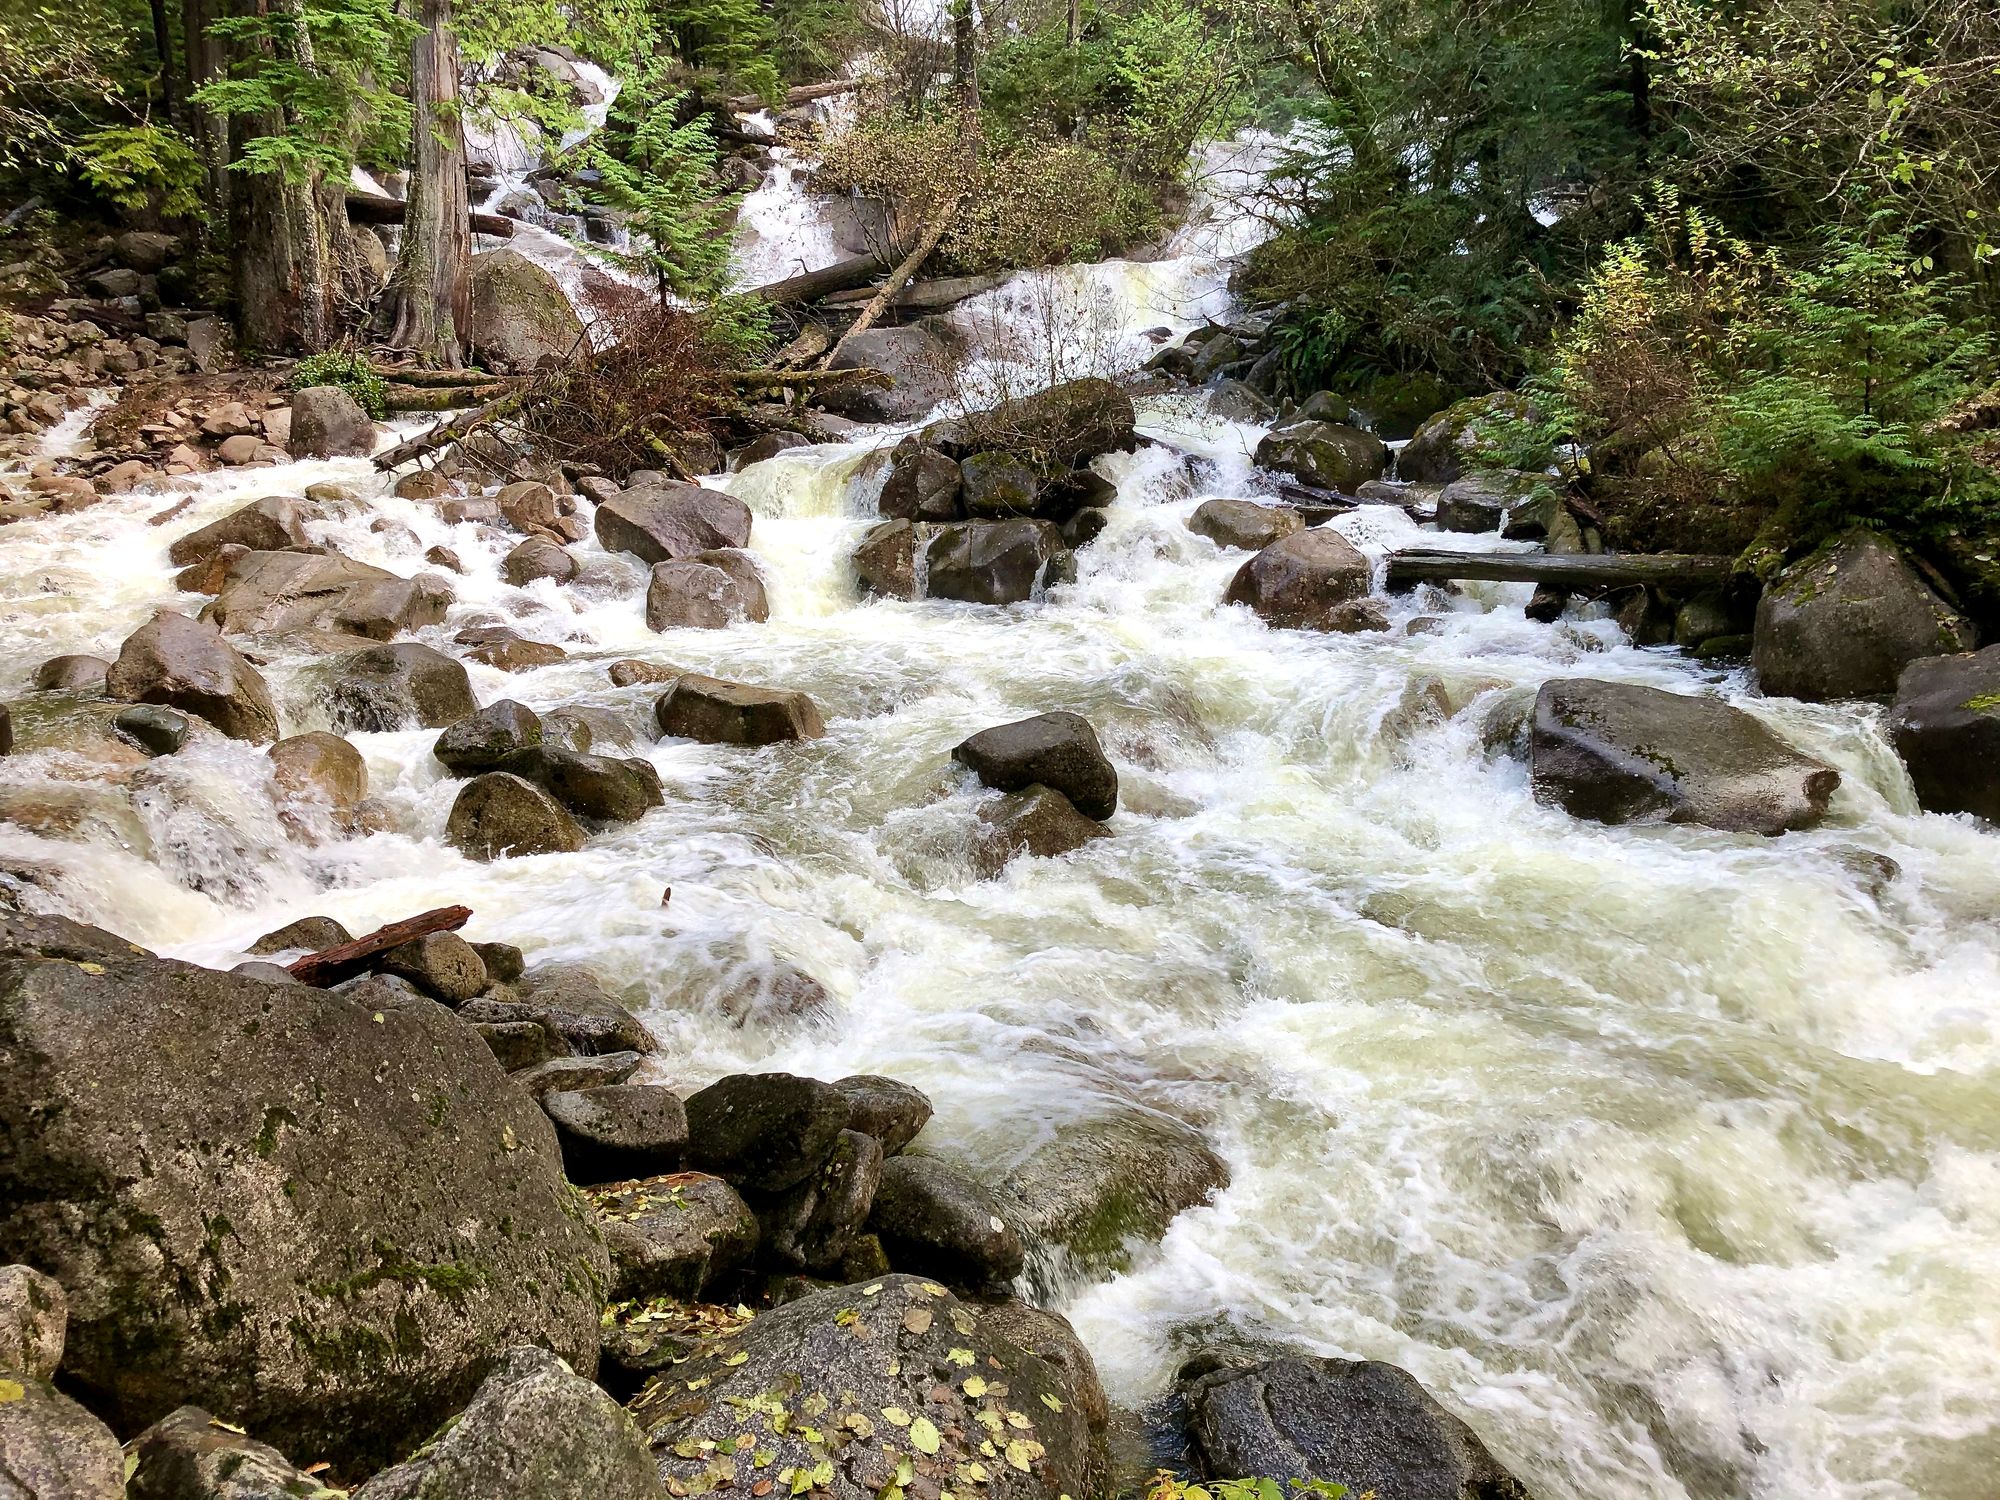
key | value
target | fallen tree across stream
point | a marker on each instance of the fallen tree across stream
(368, 208)
(1568, 571)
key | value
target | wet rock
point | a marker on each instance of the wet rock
(52, 1449)
(319, 768)
(923, 485)
(626, 673)
(1062, 427)
(513, 654)
(764, 1131)
(212, 572)
(276, 593)
(33, 1316)
(398, 687)
(441, 964)
(1055, 750)
(190, 1455)
(1325, 455)
(673, 1235)
(71, 674)
(811, 1225)
(1105, 1182)
(268, 525)
(1946, 727)
(483, 741)
(519, 314)
(885, 562)
(1360, 1423)
(186, 664)
(699, 593)
(1356, 617)
(535, 1431)
(1465, 436)
(157, 730)
(1038, 821)
(618, 1131)
(994, 562)
(338, 1312)
(443, 557)
(716, 712)
(572, 1001)
(596, 787)
(891, 1111)
(1618, 753)
(938, 1220)
(528, 503)
(806, 1356)
(1049, 1336)
(573, 1074)
(1244, 523)
(307, 934)
(504, 962)
(537, 558)
(913, 360)
(497, 815)
(421, 484)
(1486, 500)
(999, 486)
(6, 729)
(765, 446)
(1299, 582)
(518, 1045)
(329, 423)
(1845, 622)
(662, 522)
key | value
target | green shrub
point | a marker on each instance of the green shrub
(348, 370)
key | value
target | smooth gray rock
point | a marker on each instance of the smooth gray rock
(327, 422)
(158, 730)
(618, 1131)
(1946, 727)
(764, 1131)
(1056, 750)
(267, 525)
(937, 1219)
(441, 964)
(307, 934)
(673, 1235)
(186, 664)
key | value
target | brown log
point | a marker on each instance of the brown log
(445, 432)
(923, 296)
(440, 397)
(747, 104)
(1573, 571)
(879, 303)
(367, 208)
(330, 966)
(810, 286)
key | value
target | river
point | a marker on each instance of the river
(1670, 1158)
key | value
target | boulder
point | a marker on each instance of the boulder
(398, 687)
(1038, 821)
(497, 815)
(1495, 498)
(994, 562)
(891, 1111)
(885, 561)
(306, 935)
(764, 1131)
(1301, 581)
(1845, 622)
(511, 653)
(1244, 524)
(599, 788)
(327, 422)
(661, 522)
(1325, 455)
(673, 1236)
(537, 558)
(1469, 434)
(268, 525)
(571, 1074)
(190, 1455)
(923, 485)
(276, 593)
(1055, 750)
(695, 594)
(528, 502)
(34, 1314)
(71, 674)
(1049, 1336)
(319, 767)
(618, 1131)
(1615, 752)
(156, 730)
(147, 250)
(1062, 427)
(716, 712)
(1946, 727)
(938, 1220)
(535, 1430)
(1361, 1423)
(1102, 1183)
(252, 1268)
(186, 664)
(441, 964)
(482, 741)
(516, 1045)
(765, 446)
(519, 314)
(572, 1002)
(999, 486)
(52, 1449)
(915, 1378)
(913, 360)
(811, 1225)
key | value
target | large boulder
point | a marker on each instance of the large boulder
(673, 1235)
(484, 740)
(923, 485)
(327, 422)
(661, 522)
(52, 1449)
(1367, 1425)
(764, 1131)
(718, 712)
(1615, 752)
(497, 815)
(1303, 581)
(994, 562)
(186, 664)
(251, 1267)
(536, 1430)
(1946, 727)
(936, 1219)
(694, 593)
(398, 687)
(1325, 455)
(600, 788)
(1056, 750)
(916, 1383)
(1062, 427)
(1244, 524)
(268, 525)
(915, 362)
(519, 314)
(273, 593)
(885, 560)
(189, 1454)
(1846, 621)
(1471, 434)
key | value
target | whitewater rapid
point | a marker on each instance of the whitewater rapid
(1670, 1158)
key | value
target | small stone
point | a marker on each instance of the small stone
(158, 730)
(307, 934)
(442, 964)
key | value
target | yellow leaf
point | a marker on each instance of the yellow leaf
(960, 1356)
(924, 1435)
(974, 1386)
(1053, 1403)
(895, 1416)
(1017, 1456)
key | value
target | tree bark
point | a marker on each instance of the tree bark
(965, 72)
(344, 960)
(263, 232)
(879, 303)
(433, 281)
(202, 63)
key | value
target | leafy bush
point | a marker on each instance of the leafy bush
(348, 370)
(657, 161)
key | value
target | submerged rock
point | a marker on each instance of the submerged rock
(186, 664)
(1055, 750)
(1946, 727)
(1302, 581)
(71, 674)
(1618, 753)
(1103, 1182)
(1038, 821)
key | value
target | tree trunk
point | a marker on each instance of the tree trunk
(202, 58)
(263, 228)
(433, 283)
(965, 71)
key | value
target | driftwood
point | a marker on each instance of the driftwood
(886, 293)
(367, 208)
(922, 296)
(342, 961)
(1569, 571)
(400, 374)
(810, 286)
(747, 104)
(441, 397)
(430, 440)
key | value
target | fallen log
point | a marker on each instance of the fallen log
(450, 431)
(810, 286)
(1570, 571)
(805, 93)
(935, 295)
(886, 293)
(439, 397)
(342, 961)
(368, 208)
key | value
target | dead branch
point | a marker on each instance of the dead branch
(330, 966)
(879, 303)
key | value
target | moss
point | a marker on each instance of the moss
(275, 1115)
(356, 1351)
(450, 1279)
(1985, 703)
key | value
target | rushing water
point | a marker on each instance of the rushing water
(1670, 1158)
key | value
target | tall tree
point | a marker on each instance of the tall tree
(433, 286)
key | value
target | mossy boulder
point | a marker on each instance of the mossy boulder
(1946, 727)
(1475, 433)
(519, 314)
(1302, 581)
(1325, 455)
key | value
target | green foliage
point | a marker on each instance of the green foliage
(814, 39)
(732, 38)
(659, 170)
(141, 166)
(351, 372)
